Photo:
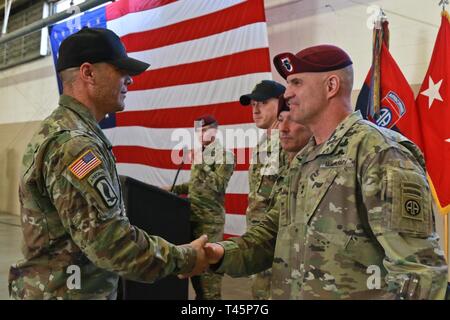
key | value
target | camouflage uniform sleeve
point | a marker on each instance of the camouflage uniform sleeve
(98, 225)
(181, 188)
(400, 211)
(252, 252)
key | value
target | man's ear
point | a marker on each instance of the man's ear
(333, 85)
(87, 73)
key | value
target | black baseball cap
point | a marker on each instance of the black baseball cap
(263, 91)
(95, 45)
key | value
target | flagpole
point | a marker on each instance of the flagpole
(378, 38)
(446, 236)
(445, 3)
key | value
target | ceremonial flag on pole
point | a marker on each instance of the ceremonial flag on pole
(433, 105)
(386, 97)
(204, 55)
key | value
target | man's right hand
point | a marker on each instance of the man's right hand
(214, 252)
(201, 264)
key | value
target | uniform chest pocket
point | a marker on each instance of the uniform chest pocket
(327, 237)
(311, 191)
(346, 250)
(265, 185)
(325, 250)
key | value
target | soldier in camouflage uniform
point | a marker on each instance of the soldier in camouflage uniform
(293, 138)
(210, 173)
(265, 165)
(356, 218)
(77, 238)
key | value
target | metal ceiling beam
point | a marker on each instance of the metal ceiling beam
(8, 4)
(35, 26)
(15, 4)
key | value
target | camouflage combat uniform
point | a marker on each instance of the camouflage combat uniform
(73, 217)
(206, 189)
(267, 159)
(356, 222)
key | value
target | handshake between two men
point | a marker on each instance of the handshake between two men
(207, 254)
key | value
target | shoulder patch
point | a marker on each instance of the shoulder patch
(106, 191)
(87, 162)
(411, 198)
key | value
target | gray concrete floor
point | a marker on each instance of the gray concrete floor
(10, 243)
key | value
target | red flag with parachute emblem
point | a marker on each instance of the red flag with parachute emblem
(386, 98)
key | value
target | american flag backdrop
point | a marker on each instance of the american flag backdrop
(204, 54)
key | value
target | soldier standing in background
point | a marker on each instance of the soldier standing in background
(77, 238)
(265, 164)
(358, 220)
(211, 171)
(293, 137)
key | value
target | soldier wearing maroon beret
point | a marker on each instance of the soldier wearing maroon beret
(211, 170)
(358, 217)
(317, 59)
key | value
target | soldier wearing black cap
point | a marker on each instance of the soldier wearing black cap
(265, 165)
(358, 217)
(211, 170)
(264, 101)
(77, 238)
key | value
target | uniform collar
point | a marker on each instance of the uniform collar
(85, 115)
(77, 107)
(331, 144)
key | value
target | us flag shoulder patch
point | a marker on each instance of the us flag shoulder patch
(84, 164)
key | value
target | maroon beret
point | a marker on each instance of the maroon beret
(321, 58)
(206, 120)
(282, 105)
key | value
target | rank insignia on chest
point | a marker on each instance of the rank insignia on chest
(84, 164)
